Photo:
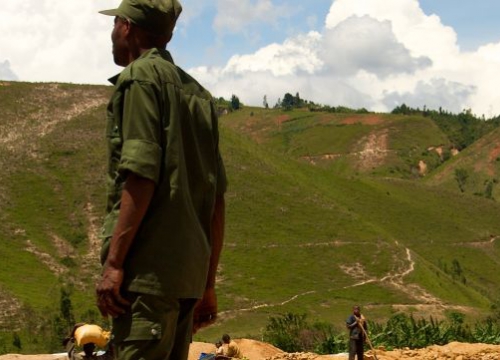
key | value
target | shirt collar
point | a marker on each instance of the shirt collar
(113, 80)
(164, 53)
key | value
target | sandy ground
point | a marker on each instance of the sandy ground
(255, 350)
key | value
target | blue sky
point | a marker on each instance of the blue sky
(198, 43)
(357, 53)
(474, 21)
(217, 46)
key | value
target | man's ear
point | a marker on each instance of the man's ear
(127, 27)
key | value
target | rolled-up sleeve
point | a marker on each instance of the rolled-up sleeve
(141, 131)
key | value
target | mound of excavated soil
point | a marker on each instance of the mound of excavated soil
(251, 349)
(256, 350)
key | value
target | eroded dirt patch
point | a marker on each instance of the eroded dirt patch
(363, 119)
(374, 149)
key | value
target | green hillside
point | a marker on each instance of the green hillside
(323, 211)
(377, 144)
(480, 163)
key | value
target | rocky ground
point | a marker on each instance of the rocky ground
(255, 350)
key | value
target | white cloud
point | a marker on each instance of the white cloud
(433, 94)
(56, 40)
(371, 53)
(364, 43)
(489, 52)
(423, 35)
(295, 55)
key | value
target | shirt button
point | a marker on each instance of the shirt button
(154, 332)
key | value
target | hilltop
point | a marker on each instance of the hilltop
(323, 210)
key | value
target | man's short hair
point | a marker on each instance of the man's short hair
(226, 338)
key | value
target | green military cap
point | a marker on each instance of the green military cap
(156, 16)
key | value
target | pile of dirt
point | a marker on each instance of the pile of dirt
(256, 350)
(251, 349)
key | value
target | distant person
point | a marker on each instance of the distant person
(219, 349)
(163, 231)
(356, 323)
(232, 351)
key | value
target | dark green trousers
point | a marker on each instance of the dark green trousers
(155, 328)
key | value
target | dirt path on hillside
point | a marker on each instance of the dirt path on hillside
(363, 119)
(486, 244)
(20, 136)
(425, 302)
(256, 350)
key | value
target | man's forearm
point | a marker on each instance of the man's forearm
(136, 196)
(218, 221)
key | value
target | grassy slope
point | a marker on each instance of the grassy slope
(52, 172)
(298, 236)
(345, 221)
(481, 161)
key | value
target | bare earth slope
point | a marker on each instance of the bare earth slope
(255, 350)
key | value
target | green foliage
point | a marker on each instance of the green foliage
(328, 340)
(299, 207)
(16, 341)
(66, 308)
(461, 176)
(285, 331)
(235, 102)
(400, 331)
(488, 192)
(495, 309)
(487, 332)
(62, 323)
(293, 333)
(462, 129)
(337, 109)
(290, 102)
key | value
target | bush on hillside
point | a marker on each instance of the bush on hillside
(293, 333)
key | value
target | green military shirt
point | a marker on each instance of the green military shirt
(162, 125)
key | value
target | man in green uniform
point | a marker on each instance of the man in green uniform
(163, 232)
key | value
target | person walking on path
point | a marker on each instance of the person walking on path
(164, 228)
(356, 323)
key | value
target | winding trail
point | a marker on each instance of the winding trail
(394, 279)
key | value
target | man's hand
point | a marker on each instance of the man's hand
(360, 321)
(109, 300)
(205, 312)
(135, 199)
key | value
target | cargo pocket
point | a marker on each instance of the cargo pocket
(139, 339)
(143, 322)
(136, 330)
